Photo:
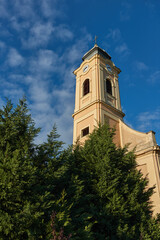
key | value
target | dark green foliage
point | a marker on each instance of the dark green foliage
(17, 132)
(60, 234)
(26, 176)
(46, 161)
(107, 196)
(92, 192)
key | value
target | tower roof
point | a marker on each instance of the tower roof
(96, 50)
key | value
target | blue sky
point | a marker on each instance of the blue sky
(43, 41)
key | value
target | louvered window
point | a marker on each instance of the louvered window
(108, 86)
(86, 87)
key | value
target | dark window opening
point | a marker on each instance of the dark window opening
(109, 86)
(86, 87)
(85, 131)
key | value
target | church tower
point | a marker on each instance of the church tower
(97, 97)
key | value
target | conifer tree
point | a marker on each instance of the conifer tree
(27, 176)
(107, 195)
(95, 191)
(46, 161)
(17, 132)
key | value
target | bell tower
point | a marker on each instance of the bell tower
(97, 97)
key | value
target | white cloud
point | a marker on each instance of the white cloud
(39, 93)
(73, 53)
(63, 33)
(51, 8)
(141, 66)
(48, 81)
(154, 77)
(12, 90)
(40, 34)
(24, 8)
(15, 93)
(149, 120)
(2, 48)
(2, 45)
(3, 9)
(122, 49)
(14, 59)
(19, 25)
(115, 38)
(52, 107)
(16, 78)
(114, 34)
(148, 116)
(65, 108)
(61, 94)
(47, 59)
(49, 106)
(45, 62)
(56, 106)
(125, 13)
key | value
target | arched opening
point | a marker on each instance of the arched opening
(86, 87)
(108, 86)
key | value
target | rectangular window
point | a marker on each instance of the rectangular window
(86, 87)
(85, 131)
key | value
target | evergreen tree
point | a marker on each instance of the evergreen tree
(90, 192)
(17, 174)
(106, 196)
(27, 176)
(46, 161)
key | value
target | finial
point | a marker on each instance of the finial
(95, 40)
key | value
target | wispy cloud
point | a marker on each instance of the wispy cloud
(14, 59)
(140, 66)
(125, 13)
(24, 9)
(14, 93)
(51, 106)
(39, 35)
(45, 61)
(114, 34)
(19, 26)
(149, 120)
(154, 77)
(62, 95)
(115, 39)
(2, 45)
(77, 49)
(12, 90)
(3, 9)
(46, 77)
(63, 33)
(52, 8)
(122, 49)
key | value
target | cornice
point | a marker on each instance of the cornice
(147, 150)
(101, 102)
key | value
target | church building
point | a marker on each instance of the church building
(97, 99)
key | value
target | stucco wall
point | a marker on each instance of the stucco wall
(147, 157)
(136, 139)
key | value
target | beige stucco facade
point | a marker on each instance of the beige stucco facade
(99, 101)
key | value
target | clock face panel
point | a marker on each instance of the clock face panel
(85, 68)
(108, 67)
